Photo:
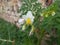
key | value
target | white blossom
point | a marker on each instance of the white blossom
(28, 15)
(21, 21)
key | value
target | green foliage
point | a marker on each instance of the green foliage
(48, 22)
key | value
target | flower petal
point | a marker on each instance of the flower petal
(29, 13)
(21, 21)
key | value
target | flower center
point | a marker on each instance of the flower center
(28, 21)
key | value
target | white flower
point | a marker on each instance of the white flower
(21, 21)
(29, 18)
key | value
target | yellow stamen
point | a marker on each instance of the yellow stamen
(28, 21)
